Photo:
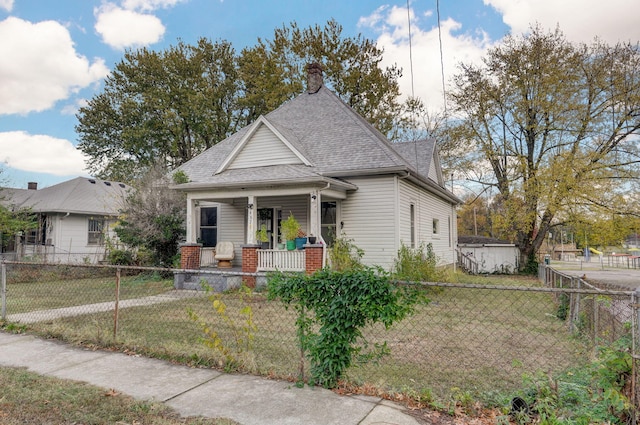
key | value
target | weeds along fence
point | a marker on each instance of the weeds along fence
(468, 341)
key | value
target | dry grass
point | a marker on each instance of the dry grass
(479, 341)
(28, 398)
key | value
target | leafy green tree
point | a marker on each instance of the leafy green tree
(13, 220)
(474, 217)
(556, 124)
(154, 218)
(169, 106)
(160, 106)
(275, 70)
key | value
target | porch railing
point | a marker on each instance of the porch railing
(467, 263)
(282, 260)
(206, 257)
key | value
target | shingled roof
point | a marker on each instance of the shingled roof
(332, 140)
(80, 195)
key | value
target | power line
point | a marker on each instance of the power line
(444, 96)
(410, 49)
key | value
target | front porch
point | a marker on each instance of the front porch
(255, 262)
(268, 260)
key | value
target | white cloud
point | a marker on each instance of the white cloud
(121, 28)
(6, 5)
(40, 66)
(41, 154)
(393, 36)
(148, 5)
(580, 20)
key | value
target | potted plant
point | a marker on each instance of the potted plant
(301, 239)
(290, 228)
(263, 237)
(312, 239)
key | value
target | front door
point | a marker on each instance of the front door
(265, 218)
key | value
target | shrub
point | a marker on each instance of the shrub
(120, 257)
(418, 265)
(345, 255)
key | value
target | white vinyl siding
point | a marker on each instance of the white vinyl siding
(369, 217)
(262, 149)
(68, 235)
(433, 171)
(231, 227)
(429, 208)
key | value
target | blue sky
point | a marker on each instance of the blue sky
(55, 54)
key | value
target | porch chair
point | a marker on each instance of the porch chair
(224, 254)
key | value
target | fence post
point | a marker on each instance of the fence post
(635, 354)
(4, 290)
(117, 302)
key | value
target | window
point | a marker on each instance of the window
(436, 226)
(96, 228)
(328, 221)
(209, 226)
(412, 219)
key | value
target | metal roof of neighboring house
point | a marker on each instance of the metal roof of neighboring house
(331, 136)
(80, 195)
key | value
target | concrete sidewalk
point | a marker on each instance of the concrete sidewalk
(246, 399)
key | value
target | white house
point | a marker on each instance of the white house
(316, 158)
(74, 219)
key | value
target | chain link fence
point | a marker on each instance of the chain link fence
(478, 340)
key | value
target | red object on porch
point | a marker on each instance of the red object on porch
(313, 260)
(190, 256)
(250, 264)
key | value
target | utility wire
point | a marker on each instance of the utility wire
(410, 50)
(444, 95)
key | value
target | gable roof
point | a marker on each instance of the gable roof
(78, 196)
(330, 140)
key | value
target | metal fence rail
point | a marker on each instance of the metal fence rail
(477, 339)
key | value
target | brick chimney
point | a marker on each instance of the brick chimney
(32, 186)
(314, 77)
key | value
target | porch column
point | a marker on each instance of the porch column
(249, 264)
(252, 219)
(192, 233)
(314, 213)
(313, 257)
(190, 256)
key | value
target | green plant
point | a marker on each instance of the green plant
(340, 304)
(262, 235)
(236, 351)
(290, 227)
(345, 255)
(120, 257)
(597, 393)
(563, 307)
(418, 265)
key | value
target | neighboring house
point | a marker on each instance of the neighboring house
(491, 255)
(316, 158)
(74, 219)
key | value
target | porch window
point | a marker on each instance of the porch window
(96, 228)
(209, 226)
(412, 220)
(328, 221)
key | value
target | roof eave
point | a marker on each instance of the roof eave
(197, 186)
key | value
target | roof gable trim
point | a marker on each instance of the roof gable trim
(249, 135)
